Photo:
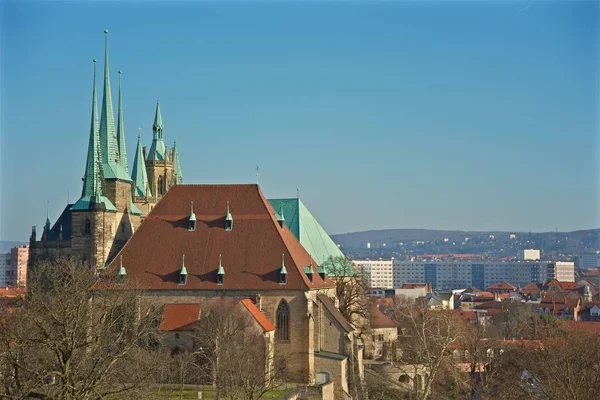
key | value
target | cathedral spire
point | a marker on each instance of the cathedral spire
(108, 135)
(121, 131)
(92, 180)
(94, 177)
(177, 175)
(138, 173)
(157, 149)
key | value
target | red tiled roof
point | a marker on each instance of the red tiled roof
(251, 251)
(262, 320)
(582, 326)
(12, 292)
(502, 286)
(179, 317)
(379, 319)
(570, 286)
(467, 315)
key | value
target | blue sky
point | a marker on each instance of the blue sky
(443, 115)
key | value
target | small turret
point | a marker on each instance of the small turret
(220, 273)
(282, 271)
(228, 220)
(192, 219)
(183, 274)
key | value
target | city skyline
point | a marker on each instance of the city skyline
(369, 114)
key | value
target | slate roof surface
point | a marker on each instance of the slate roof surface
(251, 251)
(66, 221)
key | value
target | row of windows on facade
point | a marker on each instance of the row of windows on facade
(87, 227)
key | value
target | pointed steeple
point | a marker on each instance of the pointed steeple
(47, 224)
(108, 135)
(177, 175)
(139, 174)
(93, 179)
(121, 131)
(158, 152)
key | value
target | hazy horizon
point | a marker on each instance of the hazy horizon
(447, 116)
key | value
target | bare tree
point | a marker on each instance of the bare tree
(566, 366)
(352, 289)
(427, 335)
(67, 341)
(233, 354)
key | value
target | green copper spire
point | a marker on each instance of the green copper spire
(157, 149)
(176, 166)
(108, 135)
(121, 131)
(48, 224)
(93, 179)
(138, 173)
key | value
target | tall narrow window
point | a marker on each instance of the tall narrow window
(161, 187)
(88, 227)
(283, 321)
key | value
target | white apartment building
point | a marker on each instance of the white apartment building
(379, 273)
(5, 270)
(446, 275)
(530, 255)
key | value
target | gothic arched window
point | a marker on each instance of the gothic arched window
(161, 185)
(283, 321)
(87, 229)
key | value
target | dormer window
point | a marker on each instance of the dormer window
(192, 220)
(220, 273)
(122, 272)
(322, 273)
(183, 272)
(282, 272)
(228, 220)
(309, 272)
(280, 216)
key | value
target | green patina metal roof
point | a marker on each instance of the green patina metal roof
(108, 135)
(220, 270)
(158, 151)
(139, 174)
(121, 132)
(183, 270)
(88, 202)
(307, 229)
(91, 194)
(134, 209)
(122, 271)
(283, 269)
(177, 166)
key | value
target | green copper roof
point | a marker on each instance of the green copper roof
(134, 209)
(93, 177)
(157, 149)
(220, 270)
(138, 173)
(87, 203)
(122, 271)
(306, 229)
(121, 132)
(177, 166)
(183, 270)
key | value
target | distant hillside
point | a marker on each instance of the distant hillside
(354, 239)
(394, 242)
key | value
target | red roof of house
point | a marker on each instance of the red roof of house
(582, 326)
(251, 252)
(467, 315)
(258, 316)
(179, 317)
(568, 286)
(12, 292)
(532, 288)
(379, 319)
(502, 286)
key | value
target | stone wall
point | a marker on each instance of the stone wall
(337, 370)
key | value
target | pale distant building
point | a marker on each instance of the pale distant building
(565, 271)
(6, 278)
(512, 236)
(586, 261)
(452, 274)
(368, 245)
(18, 264)
(379, 273)
(530, 255)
